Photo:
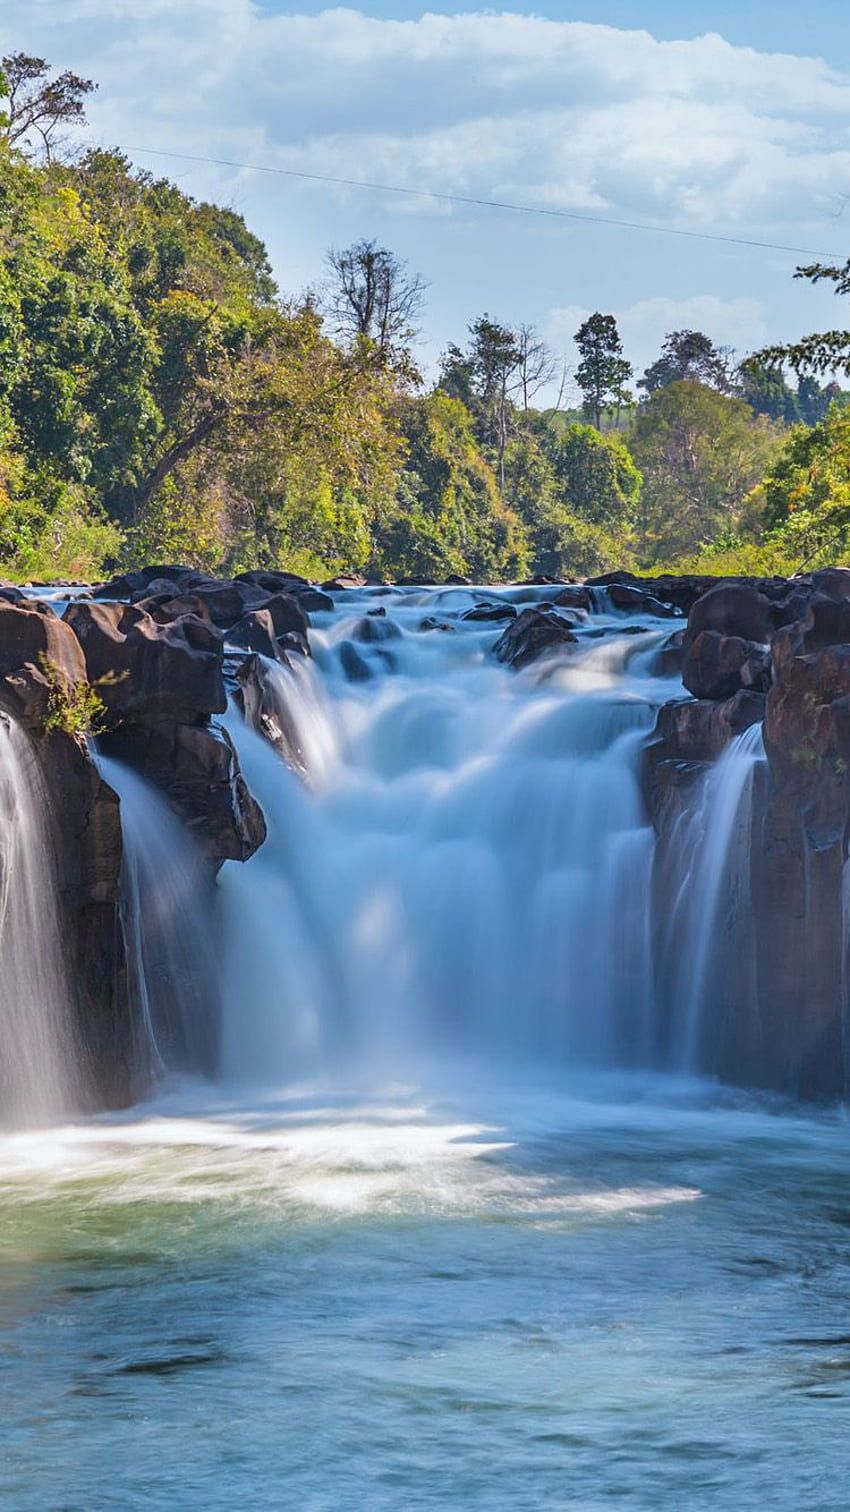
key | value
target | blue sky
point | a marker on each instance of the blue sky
(721, 118)
(819, 28)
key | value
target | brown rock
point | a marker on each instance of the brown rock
(149, 672)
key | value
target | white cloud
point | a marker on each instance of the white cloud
(561, 114)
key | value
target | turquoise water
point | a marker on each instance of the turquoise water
(622, 1295)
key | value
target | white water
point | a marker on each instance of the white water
(168, 932)
(714, 848)
(41, 1076)
(465, 871)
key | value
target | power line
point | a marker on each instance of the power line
(489, 204)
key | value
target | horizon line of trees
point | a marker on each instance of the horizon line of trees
(160, 399)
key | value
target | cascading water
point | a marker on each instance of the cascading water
(467, 871)
(41, 1073)
(712, 860)
(168, 933)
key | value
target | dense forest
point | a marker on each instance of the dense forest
(160, 399)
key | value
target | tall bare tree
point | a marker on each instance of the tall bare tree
(36, 106)
(538, 365)
(373, 295)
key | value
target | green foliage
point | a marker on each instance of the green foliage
(689, 356)
(447, 515)
(75, 708)
(597, 476)
(158, 399)
(701, 454)
(805, 495)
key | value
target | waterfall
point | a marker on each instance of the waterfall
(712, 900)
(41, 1073)
(465, 870)
(168, 931)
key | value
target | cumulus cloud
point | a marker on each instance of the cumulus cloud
(561, 114)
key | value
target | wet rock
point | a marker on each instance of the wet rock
(89, 853)
(149, 672)
(313, 601)
(371, 631)
(699, 730)
(667, 660)
(680, 592)
(716, 666)
(355, 666)
(534, 633)
(255, 632)
(490, 612)
(575, 596)
(197, 769)
(430, 622)
(287, 615)
(628, 599)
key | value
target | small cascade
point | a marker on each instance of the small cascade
(169, 936)
(710, 909)
(41, 1073)
(296, 700)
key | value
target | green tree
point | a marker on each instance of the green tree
(603, 372)
(700, 453)
(596, 477)
(689, 356)
(805, 495)
(447, 515)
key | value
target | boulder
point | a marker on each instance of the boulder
(729, 608)
(344, 581)
(371, 631)
(575, 596)
(30, 632)
(716, 666)
(128, 584)
(197, 769)
(145, 672)
(39, 657)
(430, 622)
(255, 632)
(273, 582)
(488, 613)
(534, 633)
(354, 665)
(314, 601)
(628, 599)
(667, 660)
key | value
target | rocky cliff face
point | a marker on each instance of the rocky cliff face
(151, 646)
(777, 651)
